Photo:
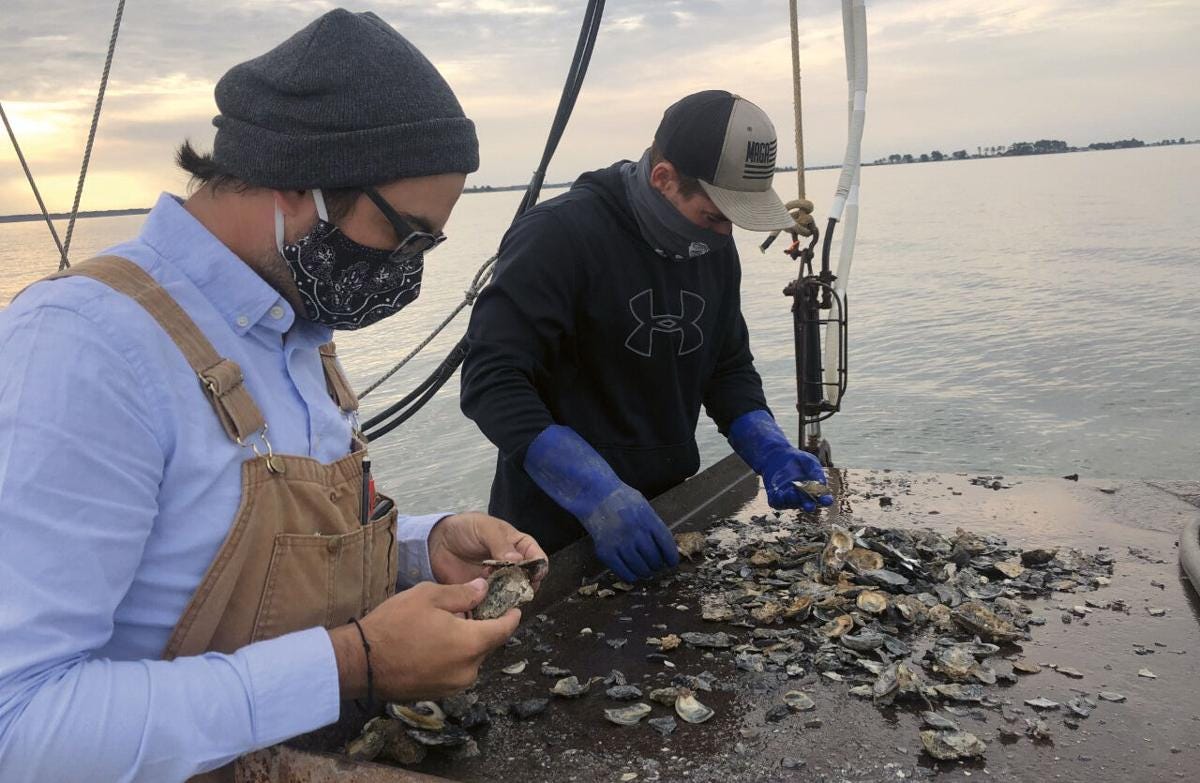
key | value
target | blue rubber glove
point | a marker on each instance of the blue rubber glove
(758, 440)
(627, 533)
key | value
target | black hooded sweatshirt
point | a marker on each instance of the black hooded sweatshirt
(585, 325)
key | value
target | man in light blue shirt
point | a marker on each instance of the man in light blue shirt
(338, 158)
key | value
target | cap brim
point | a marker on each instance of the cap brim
(753, 211)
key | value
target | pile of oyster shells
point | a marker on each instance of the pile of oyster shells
(897, 615)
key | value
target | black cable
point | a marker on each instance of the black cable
(396, 414)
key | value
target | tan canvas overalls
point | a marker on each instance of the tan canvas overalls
(297, 554)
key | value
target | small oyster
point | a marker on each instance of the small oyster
(690, 544)
(872, 601)
(954, 663)
(799, 609)
(833, 557)
(571, 687)
(978, 619)
(767, 613)
(864, 641)
(688, 707)
(447, 738)
(508, 586)
(950, 745)
(799, 701)
(628, 716)
(515, 668)
(374, 738)
(715, 608)
(814, 489)
(718, 641)
(899, 680)
(838, 626)
(864, 559)
(624, 692)
(665, 696)
(422, 715)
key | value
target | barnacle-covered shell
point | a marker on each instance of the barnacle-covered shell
(508, 586)
(690, 544)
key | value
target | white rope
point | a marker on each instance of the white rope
(481, 279)
(796, 97)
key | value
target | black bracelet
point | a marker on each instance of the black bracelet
(370, 674)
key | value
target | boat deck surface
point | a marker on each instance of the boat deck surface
(1154, 735)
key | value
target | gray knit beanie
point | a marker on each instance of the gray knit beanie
(345, 102)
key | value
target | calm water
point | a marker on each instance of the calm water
(1028, 315)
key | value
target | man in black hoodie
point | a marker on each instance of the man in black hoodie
(615, 313)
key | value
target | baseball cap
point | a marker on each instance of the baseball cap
(729, 144)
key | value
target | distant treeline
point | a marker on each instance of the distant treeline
(67, 215)
(1039, 147)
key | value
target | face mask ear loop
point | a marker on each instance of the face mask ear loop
(321, 211)
(278, 227)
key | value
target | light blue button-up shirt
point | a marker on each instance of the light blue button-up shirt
(117, 487)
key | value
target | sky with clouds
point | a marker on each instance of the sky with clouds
(944, 74)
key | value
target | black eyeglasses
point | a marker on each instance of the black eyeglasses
(413, 242)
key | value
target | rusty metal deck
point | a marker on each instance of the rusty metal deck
(1153, 736)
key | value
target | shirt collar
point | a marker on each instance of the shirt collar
(242, 298)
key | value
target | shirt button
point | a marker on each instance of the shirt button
(276, 312)
(414, 573)
(243, 321)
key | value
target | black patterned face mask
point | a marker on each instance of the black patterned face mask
(345, 285)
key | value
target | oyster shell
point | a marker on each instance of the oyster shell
(864, 559)
(422, 715)
(799, 701)
(872, 601)
(951, 745)
(628, 716)
(508, 586)
(665, 696)
(690, 544)
(954, 663)
(864, 641)
(515, 668)
(571, 687)
(799, 609)
(717, 641)
(837, 626)
(715, 608)
(767, 613)
(833, 557)
(814, 489)
(978, 619)
(688, 707)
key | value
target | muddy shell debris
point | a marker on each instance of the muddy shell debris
(951, 745)
(924, 619)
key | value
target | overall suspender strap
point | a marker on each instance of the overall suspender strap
(221, 379)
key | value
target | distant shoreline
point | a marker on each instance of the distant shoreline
(563, 185)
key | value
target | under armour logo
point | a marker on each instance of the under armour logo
(685, 324)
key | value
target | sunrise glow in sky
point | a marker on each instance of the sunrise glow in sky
(945, 74)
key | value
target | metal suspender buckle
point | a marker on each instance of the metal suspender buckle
(274, 463)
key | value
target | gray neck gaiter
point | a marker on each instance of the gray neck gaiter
(662, 226)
